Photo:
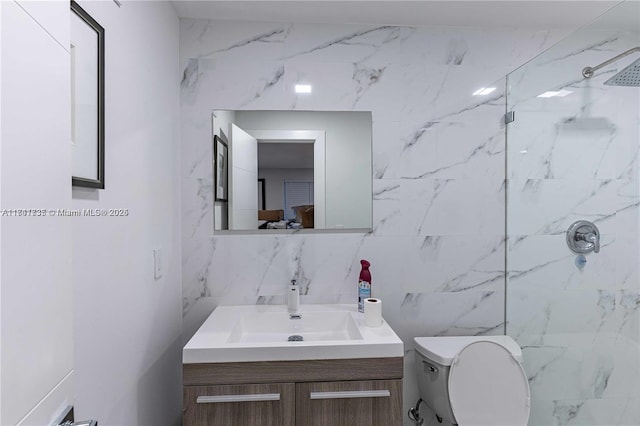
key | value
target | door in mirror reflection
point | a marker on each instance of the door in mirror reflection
(243, 202)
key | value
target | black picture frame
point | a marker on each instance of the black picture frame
(96, 179)
(262, 200)
(221, 169)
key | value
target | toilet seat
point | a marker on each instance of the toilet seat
(488, 386)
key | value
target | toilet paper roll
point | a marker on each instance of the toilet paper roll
(372, 312)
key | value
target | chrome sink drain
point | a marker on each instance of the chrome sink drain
(295, 338)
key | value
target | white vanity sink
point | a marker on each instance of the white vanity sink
(262, 333)
(312, 326)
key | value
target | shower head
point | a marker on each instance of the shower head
(630, 76)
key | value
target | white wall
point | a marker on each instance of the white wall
(274, 184)
(37, 305)
(347, 158)
(128, 325)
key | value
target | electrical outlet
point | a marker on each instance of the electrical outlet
(157, 263)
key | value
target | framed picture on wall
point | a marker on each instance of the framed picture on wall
(221, 168)
(87, 99)
(262, 202)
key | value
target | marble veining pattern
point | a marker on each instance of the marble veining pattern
(437, 244)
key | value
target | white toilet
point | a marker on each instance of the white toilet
(473, 381)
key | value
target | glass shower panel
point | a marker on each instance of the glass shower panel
(572, 154)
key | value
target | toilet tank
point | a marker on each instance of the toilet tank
(434, 356)
(433, 383)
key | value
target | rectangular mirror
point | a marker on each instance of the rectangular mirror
(288, 171)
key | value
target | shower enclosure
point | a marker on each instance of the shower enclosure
(573, 155)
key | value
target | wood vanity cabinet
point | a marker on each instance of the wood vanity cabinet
(357, 403)
(271, 404)
(344, 392)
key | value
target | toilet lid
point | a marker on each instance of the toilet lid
(488, 386)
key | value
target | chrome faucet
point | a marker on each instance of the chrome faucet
(293, 298)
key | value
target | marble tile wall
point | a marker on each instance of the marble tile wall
(572, 158)
(437, 246)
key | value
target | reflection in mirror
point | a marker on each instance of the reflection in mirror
(287, 172)
(291, 170)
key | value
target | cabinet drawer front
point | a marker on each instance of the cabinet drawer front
(240, 405)
(352, 403)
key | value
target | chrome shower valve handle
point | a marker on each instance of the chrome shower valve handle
(583, 237)
(589, 238)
